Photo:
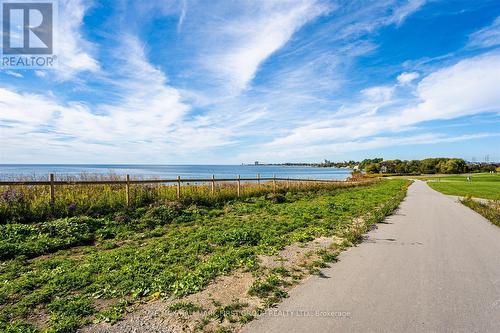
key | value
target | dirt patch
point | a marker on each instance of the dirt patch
(297, 255)
(39, 318)
(225, 303)
(156, 316)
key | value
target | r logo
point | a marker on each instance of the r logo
(27, 27)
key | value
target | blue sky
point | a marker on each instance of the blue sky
(196, 82)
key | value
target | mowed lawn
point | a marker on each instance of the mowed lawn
(481, 185)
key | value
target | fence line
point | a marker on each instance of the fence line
(158, 181)
(52, 183)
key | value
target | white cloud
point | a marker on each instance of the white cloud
(486, 37)
(466, 88)
(182, 15)
(402, 12)
(40, 73)
(25, 111)
(312, 151)
(15, 74)
(407, 77)
(75, 53)
(296, 112)
(148, 113)
(378, 94)
(147, 105)
(237, 48)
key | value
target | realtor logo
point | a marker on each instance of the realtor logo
(28, 33)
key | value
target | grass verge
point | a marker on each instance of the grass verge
(490, 210)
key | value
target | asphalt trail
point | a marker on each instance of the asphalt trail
(434, 266)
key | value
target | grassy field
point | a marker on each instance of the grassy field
(481, 185)
(65, 273)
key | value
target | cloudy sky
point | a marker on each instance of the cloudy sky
(198, 81)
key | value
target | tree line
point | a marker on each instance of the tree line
(410, 167)
(425, 166)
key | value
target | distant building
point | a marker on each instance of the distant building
(383, 169)
(256, 162)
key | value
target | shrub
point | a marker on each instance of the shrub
(34, 240)
(121, 218)
(160, 215)
(276, 197)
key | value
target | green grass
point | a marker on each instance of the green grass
(490, 210)
(187, 307)
(482, 185)
(162, 250)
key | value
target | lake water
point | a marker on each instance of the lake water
(40, 171)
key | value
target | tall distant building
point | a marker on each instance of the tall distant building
(256, 162)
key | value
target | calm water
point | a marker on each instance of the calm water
(10, 171)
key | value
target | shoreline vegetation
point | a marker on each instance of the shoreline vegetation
(26, 203)
(70, 266)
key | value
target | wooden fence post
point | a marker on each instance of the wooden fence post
(258, 179)
(127, 191)
(274, 182)
(178, 187)
(52, 190)
(288, 183)
(213, 184)
(239, 186)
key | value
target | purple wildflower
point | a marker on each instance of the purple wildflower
(12, 196)
(72, 207)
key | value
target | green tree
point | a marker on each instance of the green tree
(413, 166)
(453, 165)
(373, 168)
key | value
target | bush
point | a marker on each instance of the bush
(36, 239)
(160, 215)
(121, 218)
(276, 197)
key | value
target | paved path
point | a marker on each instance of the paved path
(434, 266)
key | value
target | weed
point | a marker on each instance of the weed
(263, 288)
(230, 312)
(113, 314)
(187, 307)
